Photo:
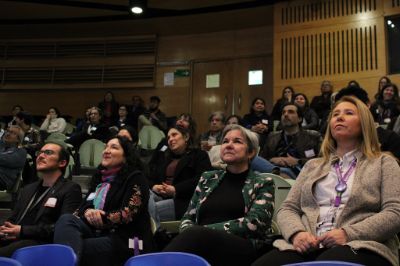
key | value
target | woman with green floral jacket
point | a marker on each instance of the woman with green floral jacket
(229, 216)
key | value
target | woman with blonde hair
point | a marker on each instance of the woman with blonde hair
(345, 205)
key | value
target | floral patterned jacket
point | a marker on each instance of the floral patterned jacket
(258, 195)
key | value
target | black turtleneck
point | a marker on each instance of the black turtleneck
(226, 201)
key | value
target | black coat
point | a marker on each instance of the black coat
(68, 195)
(129, 193)
(187, 174)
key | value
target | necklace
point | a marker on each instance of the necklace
(341, 186)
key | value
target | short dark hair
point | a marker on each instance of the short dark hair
(55, 110)
(298, 109)
(357, 92)
(63, 153)
(25, 116)
(155, 98)
(132, 132)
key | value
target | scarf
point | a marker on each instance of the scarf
(102, 189)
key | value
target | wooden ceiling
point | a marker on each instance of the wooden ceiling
(40, 18)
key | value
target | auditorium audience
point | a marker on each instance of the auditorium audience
(94, 130)
(345, 205)
(213, 136)
(41, 203)
(12, 156)
(154, 116)
(109, 106)
(386, 108)
(32, 140)
(15, 110)
(174, 174)
(114, 211)
(229, 215)
(258, 120)
(382, 82)
(293, 146)
(310, 117)
(233, 119)
(287, 97)
(53, 123)
(136, 110)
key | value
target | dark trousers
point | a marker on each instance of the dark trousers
(7, 248)
(89, 248)
(340, 253)
(217, 247)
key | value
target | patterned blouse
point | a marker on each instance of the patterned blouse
(258, 195)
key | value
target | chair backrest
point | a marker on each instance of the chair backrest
(91, 152)
(324, 263)
(149, 137)
(282, 188)
(9, 262)
(56, 136)
(46, 255)
(167, 259)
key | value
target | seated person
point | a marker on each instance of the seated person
(154, 116)
(174, 175)
(10, 121)
(213, 136)
(12, 157)
(32, 140)
(114, 211)
(230, 213)
(292, 146)
(41, 203)
(344, 206)
(94, 130)
(53, 122)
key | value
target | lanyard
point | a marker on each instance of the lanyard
(31, 205)
(341, 186)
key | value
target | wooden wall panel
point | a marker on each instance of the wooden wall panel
(337, 40)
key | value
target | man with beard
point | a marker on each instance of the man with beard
(154, 116)
(41, 203)
(292, 147)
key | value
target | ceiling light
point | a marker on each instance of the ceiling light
(389, 22)
(392, 25)
(137, 6)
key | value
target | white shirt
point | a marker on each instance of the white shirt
(325, 194)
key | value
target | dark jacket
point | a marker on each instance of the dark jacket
(101, 133)
(129, 193)
(302, 142)
(321, 105)
(311, 117)
(68, 195)
(12, 161)
(187, 173)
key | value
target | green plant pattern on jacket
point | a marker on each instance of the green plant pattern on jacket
(258, 196)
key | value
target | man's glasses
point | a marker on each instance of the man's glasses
(45, 152)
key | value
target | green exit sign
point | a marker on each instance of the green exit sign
(182, 73)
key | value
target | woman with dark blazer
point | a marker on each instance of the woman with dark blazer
(174, 174)
(114, 211)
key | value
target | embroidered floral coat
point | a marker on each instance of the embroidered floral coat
(258, 196)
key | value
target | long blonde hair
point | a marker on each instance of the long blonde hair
(369, 143)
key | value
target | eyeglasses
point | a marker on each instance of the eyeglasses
(45, 152)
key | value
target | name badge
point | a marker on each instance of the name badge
(132, 244)
(309, 153)
(164, 148)
(387, 120)
(91, 196)
(264, 121)
(51, 202)
(26, 139)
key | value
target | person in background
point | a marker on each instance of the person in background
(233, 119)
(229, 216)
(154, 116)
(353, 83)
(310, 117)
(291, 147)
(213, 136)
(130, 133)
(344, 206)
(53, 123)
(41, 203)
(136, 110)
(322, 104)
(386, 108)
(114, 211)
(12, 157)
(287, 97)
(258, 120)
(382, 82)
(15, 110)
(109, 106)
(32, 140)
(174, 175)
